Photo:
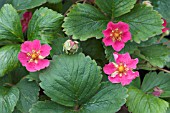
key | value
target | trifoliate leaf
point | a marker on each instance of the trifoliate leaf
(139, 102)
(115, 8)
(28, 95)
(10, 25)
(109, 99)
(71, 80)
(8, 99)
(9, 58)
(160, 80)
(44, 25)
(85, 21)
(144, 22)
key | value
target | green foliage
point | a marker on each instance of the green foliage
(109, 98)
(26, 4)
(9, 58)
(160, 80)
(54, 1)
(10, 26)
(47, 107)
(139, 102)
(142, 24)
(8, 99)
(44, 25)
(85, 21)
(71, 80)
(29, 92)
(156, 55)
(115, 8)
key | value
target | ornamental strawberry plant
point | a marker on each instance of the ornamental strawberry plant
(84, 56)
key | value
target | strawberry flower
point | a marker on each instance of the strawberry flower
(121, 71)
(116, 35)
(32, 55)
(25, 20)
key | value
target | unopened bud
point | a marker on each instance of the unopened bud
(166, 33)
(157, 91)
(70, 47)
(147, 3)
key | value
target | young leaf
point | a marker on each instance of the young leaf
(144, 22)
(8, 99)
(115, 8)
(9, 58)
(110, 98)
(139, 102)
(48, 107)
(26, 4)
(10, 25)
(44, 25)
(157, 55)
(85, 21)
(28, 95)
(71, 80)
(160, 80)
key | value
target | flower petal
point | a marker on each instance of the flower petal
(112, 25)
(123, 58)
(31, 67)
(107, 32)
(132, 75)
(45, 50)
(126, 36)
(23, 58)
(115, 79)
(132, 63)
(36, 45)
(107, 41)
(42, 64)
(109, 68)
(124, 27)
(118, 45)
(26, 47)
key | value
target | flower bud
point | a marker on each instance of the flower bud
(166, 33)
(147, 3)
(70, 47)
(157, 91)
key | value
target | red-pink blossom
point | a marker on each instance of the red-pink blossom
(25, 20)
(121, 71)
(32, 55)
(157, 91)
(116, 35)
(164, 24)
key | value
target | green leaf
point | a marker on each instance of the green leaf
(8, 99)
(9, 58)
(26, 4)
(156, 55)
(163, 8)
(136, 83)
(44, 25)
(10, 25)
(48, 107)
(54, 1)
(110, 98)
(71, 80)
(139, 102)
(115, 8)
(33, 76)
(85, 21)
(144, 22)
(160, 80)
(57, 46)
(29, 92)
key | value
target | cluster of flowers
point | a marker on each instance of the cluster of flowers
(32, 53)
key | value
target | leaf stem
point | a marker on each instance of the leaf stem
(163, 35)
(167, 71)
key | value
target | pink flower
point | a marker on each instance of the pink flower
(116, 35)
(164, 24)
(121, 71)
(25, 20)
(157, 91)
(32, 55)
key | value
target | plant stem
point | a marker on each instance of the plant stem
(167, 71)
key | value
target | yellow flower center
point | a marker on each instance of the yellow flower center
(121, 69)
(35, 56)
(116, 35)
